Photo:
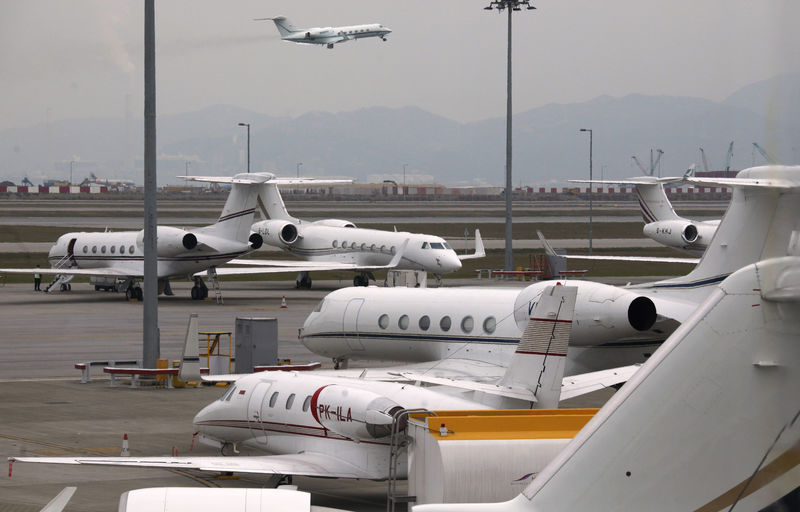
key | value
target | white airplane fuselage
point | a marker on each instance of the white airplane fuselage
(329, 35)
(295, 412)
(316, 241)
(123, 250)
(612, 327)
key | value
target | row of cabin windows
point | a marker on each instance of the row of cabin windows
(363, 247)
(112, 249)
(289, 401)
(226, 397)
(445, 323)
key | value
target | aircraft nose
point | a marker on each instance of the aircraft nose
(451, 263)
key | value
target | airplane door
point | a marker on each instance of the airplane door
(254, 419)
(350, 324)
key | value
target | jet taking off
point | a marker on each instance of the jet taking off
(331, 424)
(336, 244)
(326, 35)
(119, 256)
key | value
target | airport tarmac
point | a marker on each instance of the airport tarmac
(45, 410)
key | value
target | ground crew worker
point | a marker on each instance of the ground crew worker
(37, 280)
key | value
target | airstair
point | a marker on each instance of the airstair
(62, 280)
(398, 446)
(212, 278)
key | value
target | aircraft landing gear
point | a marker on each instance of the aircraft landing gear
(199, 290)
(134, 293)
(303, 280)
(229, 449)
(66, 287)
(340, 363)
(330, 46)
(361, 279)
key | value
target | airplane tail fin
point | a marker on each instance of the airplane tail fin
(190, 360)
(271, 203)
(763, 212)
(282, 23)
(538, 364)
(654, 203)
(240, 207)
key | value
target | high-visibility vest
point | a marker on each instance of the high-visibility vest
(37, 276)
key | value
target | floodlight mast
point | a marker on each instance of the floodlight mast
(511, 5)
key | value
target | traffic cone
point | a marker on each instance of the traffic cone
(283, 302)
(125, 452)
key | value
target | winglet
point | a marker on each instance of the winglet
(190, 360)
(547, 247)
(398, 255)
(480, 252)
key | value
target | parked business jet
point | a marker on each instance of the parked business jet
(323, 423)
(119, 256)
(710, 422)
(336, 244)
(326, 35)
(661, 223)
(614, 326)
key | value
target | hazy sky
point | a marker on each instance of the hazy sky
(79, 58)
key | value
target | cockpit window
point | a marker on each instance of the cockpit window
(319, 307)
(447, 246)
(424, 245)
(436, 245)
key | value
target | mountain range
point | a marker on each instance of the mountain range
(375, 143)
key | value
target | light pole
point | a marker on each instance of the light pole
(511, 5)
(248, 144)
(590, 186)
(70, 172)
(404, 181)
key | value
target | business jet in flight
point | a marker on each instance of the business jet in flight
(326, 35)
(339, 424)
(614, 326)
(182, 253)
(336, 244)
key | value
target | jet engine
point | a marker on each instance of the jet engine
(255, 241)
(276, 232)
(170, 241)
(673, 233)
(334, 223)
(603, 313)
(352, 412)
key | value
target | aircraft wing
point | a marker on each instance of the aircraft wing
(656, 259)
(266, 178)
(108, 271)
(282, 266)
(575, 385)
(549, 250)
(306, 464)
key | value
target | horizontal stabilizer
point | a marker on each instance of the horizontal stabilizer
(258, 178)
